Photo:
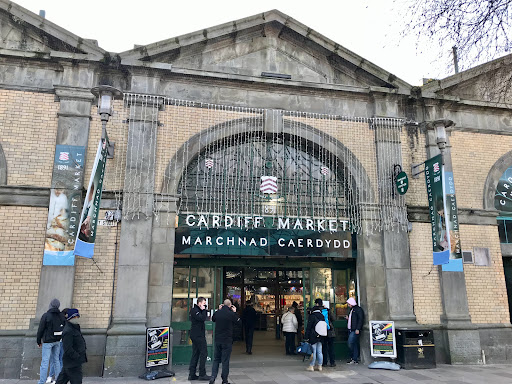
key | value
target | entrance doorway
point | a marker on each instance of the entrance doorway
(271, 286)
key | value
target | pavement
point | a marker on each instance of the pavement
(293, 372)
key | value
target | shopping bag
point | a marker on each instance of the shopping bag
(304, 349)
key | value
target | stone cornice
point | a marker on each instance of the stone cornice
(420, 214)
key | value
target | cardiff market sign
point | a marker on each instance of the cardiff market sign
(263, 236)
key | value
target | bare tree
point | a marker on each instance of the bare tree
(480, 29)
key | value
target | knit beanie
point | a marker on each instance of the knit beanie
(72, 313)
(55, 303)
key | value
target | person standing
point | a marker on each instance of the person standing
(328, 342)
(355, 325)
(298, 315)
(314, 338)
(249, 321)
(49, 334)
(290, 326)
(224, 318)
(52, 377)
(74, 350)
(198, 315)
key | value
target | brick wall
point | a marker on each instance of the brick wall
(425, 276)
(93, 281)
(28, 127)
(21, 256)
(485, 286)
(473, 155)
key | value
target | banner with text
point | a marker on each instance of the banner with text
(263, 236)
(86, 236)
(65, 203)
(452, 222)
(436, 204)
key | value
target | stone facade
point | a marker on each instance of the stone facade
(45, 100)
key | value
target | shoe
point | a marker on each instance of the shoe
(318, 368)
(310, 368)
(204, 378)
(332, 365)
(49, 380)
(192, 377)
(353, 362)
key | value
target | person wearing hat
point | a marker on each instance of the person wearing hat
(314, 338)
(355, 325)
(74, 350)
(49, 334)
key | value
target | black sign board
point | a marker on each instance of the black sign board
(157, 346)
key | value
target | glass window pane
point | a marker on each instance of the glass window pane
(321, 279)
(501, 231)
(180, 295)
(508, 230)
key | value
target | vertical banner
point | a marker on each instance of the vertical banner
(86, 235)
(452, 223)
(65, 203)
(382, 339)
(436, 205)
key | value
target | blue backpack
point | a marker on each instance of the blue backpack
(325, 312)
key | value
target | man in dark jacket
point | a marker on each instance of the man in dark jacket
(74, 350)
(197, 334)
(224, 320)
(48, 337)
(249, 321)
(328, 342)
(355, 325)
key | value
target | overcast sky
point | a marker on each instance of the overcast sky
(370, 28)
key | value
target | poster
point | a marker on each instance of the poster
(65, 203)
(382, 339)
(86, 236)
(157, 346)
(452, 221)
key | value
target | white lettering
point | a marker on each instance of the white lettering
(283, 224)
(298, 224)
(319, 243)
(320, 224)
(332, 226)
(346, 244)
(185, 240)
(215, 221)
(299, 243)
(336, 243)
(253, 242)
(226, 223)
(280, 242)
(327, 242)
(188, 220)
(219, 241)
(309, 225)
(242, 241)
(208, 240)
(230, 241)
(257, 221)
(263, 242)
(202, 220)
(291, 243)
(310, 243)
(198, 241)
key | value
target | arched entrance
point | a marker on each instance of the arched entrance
(303, 246)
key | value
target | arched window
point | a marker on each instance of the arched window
(503, 203)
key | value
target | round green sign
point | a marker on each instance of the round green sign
(402, 183)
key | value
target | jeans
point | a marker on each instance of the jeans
(199, 353)
(328, 349)
(52, 367)
(222, 354)
(72, 375)
(290, 342)
(353, 345)
(317, 357)
(50, 354)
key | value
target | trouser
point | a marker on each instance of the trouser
(222, 355)
(249, 336)
(199, 353)
(317, 358)
(72, 375)
(52, 366)
(50, 353)
(328, 350)
(290, 342)
(353, 345)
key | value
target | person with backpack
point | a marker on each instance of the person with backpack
(290, 325)
(48, 337)
(355, 325)
(52, 377)
(317, 327)
(328, 342)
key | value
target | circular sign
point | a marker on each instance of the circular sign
(402, 183)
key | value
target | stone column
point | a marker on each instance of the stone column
(461, 337)
(126, 338)
(58, 281)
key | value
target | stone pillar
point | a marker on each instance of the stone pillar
(126, 338)
(461, 337)
(58, 281)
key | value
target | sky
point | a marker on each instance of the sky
(369, 28)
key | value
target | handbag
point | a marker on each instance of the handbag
(304, 349)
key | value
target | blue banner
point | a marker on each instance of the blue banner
(65, 203)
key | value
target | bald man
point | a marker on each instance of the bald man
(224, 320)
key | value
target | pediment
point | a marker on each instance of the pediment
(270, 42)
(24, 31)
